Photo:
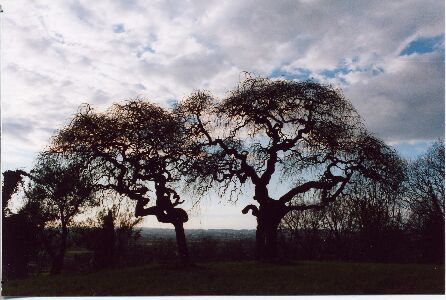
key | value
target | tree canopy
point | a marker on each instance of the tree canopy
(61, 187)
(305, 134)
(136, 149)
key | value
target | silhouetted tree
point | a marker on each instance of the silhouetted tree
(10, 183)
(19, 231)
(60, 188)
(339, 221)
(426, 201)
(376, 209)
(366, 223)
(303, 134)
(94, 232)
(105, 243)
(305, 229)
(124, 222)
(137, 148)
(20, 245)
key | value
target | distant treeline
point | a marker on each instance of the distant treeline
(371, 221)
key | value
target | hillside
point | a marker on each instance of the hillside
(157, 233)
(241, 278)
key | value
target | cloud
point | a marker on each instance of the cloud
(18, 129)
(387, 56)
(405, 102)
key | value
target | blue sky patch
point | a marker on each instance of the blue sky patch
(424, 45)
(299, 74)
(172, 102)
(140, 86)
(344, 69)
(118, 28)
(333, 72)
(412, 150)
(144, 49)
(377, 71)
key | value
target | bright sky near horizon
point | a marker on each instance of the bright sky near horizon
(387, 57)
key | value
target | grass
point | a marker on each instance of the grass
(240, 278)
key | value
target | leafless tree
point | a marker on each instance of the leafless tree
(136, 148)
(305, 229)
(426, 182)
(425, 199)
(339, 220)
(364, 223)
(124, 221)
(304, 134)
(377, 211)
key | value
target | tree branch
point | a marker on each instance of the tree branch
(253, 208)
(246, 168)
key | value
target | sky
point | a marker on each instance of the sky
(386, 56)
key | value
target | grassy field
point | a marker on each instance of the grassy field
(244, 278)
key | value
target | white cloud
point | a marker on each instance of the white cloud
(60, 54)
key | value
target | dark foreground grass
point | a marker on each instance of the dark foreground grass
(244, 278)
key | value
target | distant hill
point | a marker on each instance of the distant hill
(154, 233)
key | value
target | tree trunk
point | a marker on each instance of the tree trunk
(266, 241)
(181, 242)
(269, 215)
(174, 216)
(56, 267)
(260, 241)
(271, 243)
